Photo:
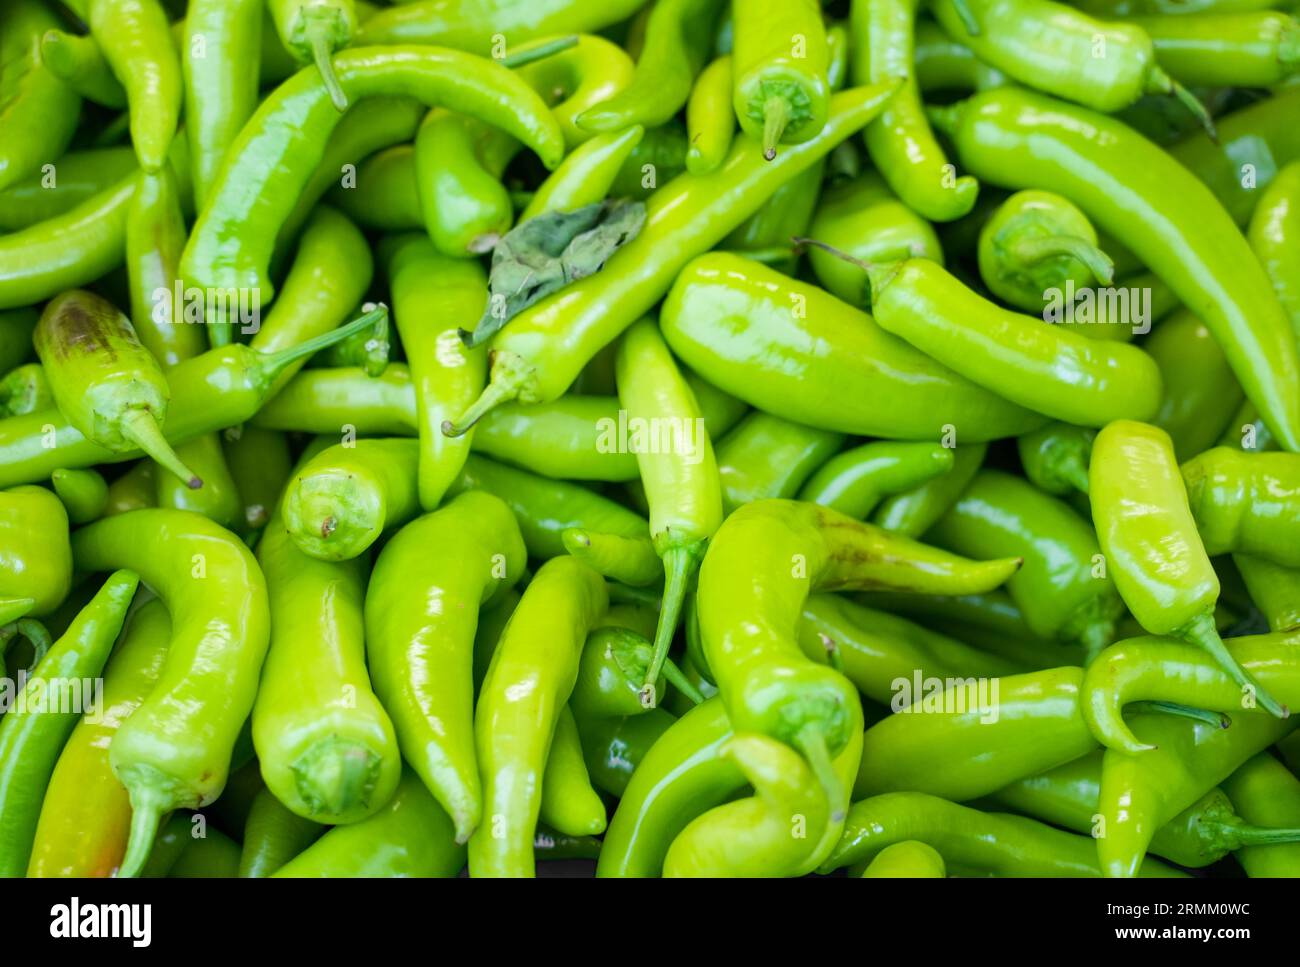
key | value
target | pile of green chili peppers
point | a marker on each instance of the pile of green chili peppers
(691, 438)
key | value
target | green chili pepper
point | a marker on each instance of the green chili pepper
(1253, 144)
(550, 845)
(1245, 502)
(767, 236)
(736, 323)
(909, 859)
(385, 196)
(586, 175)
(83, 492)
(276, 151)
(462, 26)
(614, 747)
(220, 79)
(220, 388)
(1239, 49)
(409, 836)
(863, 218)
(175, 749)
(273, 836)
(1274, 588)
(914, 512)
(996, 843)
(1141, 793)
(34, 731)
(900, 142)
(16, 328)
(260, 467)
(761, 565)
(458, 165)
(326, 746)
(422, 607)
(133, 490)
(1055, 458)
(86, 813)
(1264, 791)
(569, 803)
(585, 75)
(25, 390)
(537, 356)
(80, 64)
(710, 118)
(658, 159)
(1200, 392)
(970, 747)
(769, 834)
(40, 112)
(1160, 565)
(1060, 589)
(218, 500)
(779, 65)
(1052, 47)
(101, 374)
(1058, 372)
(312, 31)
(1132, 189)
(447, 375)
(530, 678)
(612, 673)
(1274, 234)
(35, 558)
(137, 43)
(856, 481)
(1037, 242)
(1168, 8)
(678, 469)
(944, 64)
(676, 40)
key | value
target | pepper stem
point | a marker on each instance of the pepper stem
(679, 565)
(496, 392)
(1202, 632)
(1237, 836)
(967, 17)
(319, 33)
(140, 427)
(540, 52)
(678, 680)
(1031, 251)
(1075, 474)
(271, 365)
(811, 741)
(147, 809)
(1216, 719)
(879, 274)
(38, 637)
(776, 115)
(1162, 83)
(833, 653)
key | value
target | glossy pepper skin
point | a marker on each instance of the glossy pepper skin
(1274, 234)
(614, 747)
(1246, 502)
(1153, 550)
(1200, 390)
(41, 112)
(326, 745)
(587, 175)
(967, 754)
(35, 556)
(273, 835)
(779, 66)
(1055, 458)
(710, 119)
(1238, 49)
(912, 513)
(996, 843)
(1058, 372)
(312, 30)
(422, 610)
(538, 356)
(175, 749)
(103, 378)
(761, 566)
(32, 735)
(1036, 241)
(855, 481)
(280, 145)
(1141, 793)
(81, 176)
(1273, 588)
(570, 804)
(83, 492)
(910, 859)
(790, 348)
(1264, 792)
(409, 837)
(433, 297)
(863, 218)
(461, 25)
(86, 813)
(1132, 189)
(530, 678)
(1061, 589)
(900, 141)
(681, 479)
(771, 833)
(765, 456)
